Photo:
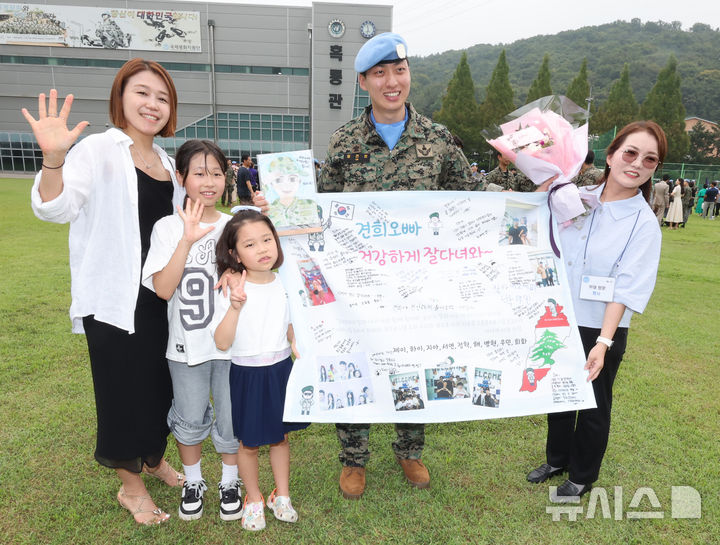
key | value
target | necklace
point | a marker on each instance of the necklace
(147, 166)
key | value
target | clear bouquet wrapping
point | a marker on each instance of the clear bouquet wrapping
(545, 138)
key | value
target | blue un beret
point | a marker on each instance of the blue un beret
(387, 46)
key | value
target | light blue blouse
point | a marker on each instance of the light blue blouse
(624, 242)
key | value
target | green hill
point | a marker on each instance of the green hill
(646, 47)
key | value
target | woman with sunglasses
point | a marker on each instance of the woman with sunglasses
(619, 245)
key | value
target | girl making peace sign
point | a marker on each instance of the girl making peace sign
(254, 324)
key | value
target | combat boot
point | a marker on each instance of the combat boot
(352, 482)
(415, 472)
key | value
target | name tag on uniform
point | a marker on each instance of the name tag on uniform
(357, 157)
(597, 288)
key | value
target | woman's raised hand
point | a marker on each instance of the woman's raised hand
(50, 128)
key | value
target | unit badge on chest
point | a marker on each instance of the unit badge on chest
(424, 150)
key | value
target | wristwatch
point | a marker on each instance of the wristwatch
(604, 340)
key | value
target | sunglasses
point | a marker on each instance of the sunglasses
(648, 161)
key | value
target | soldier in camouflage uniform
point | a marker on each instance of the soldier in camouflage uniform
(477, 177)
(588, 175)
(424, 158)
(524, 184)
(500, 178)
(389, 147)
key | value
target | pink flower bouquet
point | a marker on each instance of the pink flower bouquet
(545, 138)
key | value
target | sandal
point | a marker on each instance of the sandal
(158, 515)
(253, 515)
(166, 473)
(282, 507)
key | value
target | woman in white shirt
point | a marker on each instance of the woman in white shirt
(112, 187)
(616, 246)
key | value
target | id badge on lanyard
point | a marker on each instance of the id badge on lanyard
(601, 288)
(597, 288)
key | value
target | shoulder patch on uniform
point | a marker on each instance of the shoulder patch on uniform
(356, 157)
(424, 150)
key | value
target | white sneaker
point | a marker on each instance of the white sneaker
(231, 500)
(191, 505)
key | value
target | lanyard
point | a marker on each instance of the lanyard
(617, 261)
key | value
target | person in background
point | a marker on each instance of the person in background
(588, 175)
(227, 196)
(500, 178)
(675, 212)
(254, 176)
(474, 174)
(243, 177)
(711, 196)
(660, 198)
(687, 200)
(699, 198)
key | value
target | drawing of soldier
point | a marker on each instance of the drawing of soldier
(435, 223)
(319, 237)
(307, 399)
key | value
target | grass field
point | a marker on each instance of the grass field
(665, 432)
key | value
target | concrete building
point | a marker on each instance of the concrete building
(256, 78)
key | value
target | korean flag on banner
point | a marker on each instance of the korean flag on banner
(342, 211)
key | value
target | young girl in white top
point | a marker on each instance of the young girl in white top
(180, 268)
(256, 328)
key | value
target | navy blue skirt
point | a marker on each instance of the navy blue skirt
(258, 400)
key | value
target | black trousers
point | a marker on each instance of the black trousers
(578, 439)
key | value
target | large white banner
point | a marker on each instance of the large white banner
(431, 307)
(145, 28)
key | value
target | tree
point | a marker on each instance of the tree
(619, 109)
(541, 84)
(663, 105)
(579, 88)
(704, 144)
(459, 111)
(499, 94)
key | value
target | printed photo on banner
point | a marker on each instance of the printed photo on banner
(545, 269)
(100, 27)
(407, 395)
(486, 391)
(342, 367)
(316, 290)
(343, 395)
(288, 181)
(447, 382)
(519, 225)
